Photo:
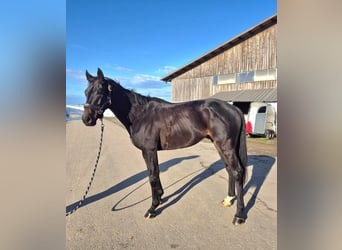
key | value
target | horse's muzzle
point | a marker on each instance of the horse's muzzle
(91, 113)
(88, 120)
(90, 116)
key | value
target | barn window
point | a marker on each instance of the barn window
(251, 76)
(265, 75)
(226, 79)
(245, 77)
(215, 80)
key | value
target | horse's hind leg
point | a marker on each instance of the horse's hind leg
(151, 160)
(235, 183)
(228, 201)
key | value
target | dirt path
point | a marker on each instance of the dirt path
(262, 146)
(194, 180)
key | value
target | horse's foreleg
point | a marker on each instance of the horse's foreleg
(151, 160)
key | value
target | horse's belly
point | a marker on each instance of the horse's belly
(169, 140)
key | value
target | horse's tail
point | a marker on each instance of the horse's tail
(242, 150)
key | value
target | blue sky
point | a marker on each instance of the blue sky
(138, 42)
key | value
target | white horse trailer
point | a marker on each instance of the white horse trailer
(262, 120)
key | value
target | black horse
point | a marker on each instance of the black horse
(154, 124)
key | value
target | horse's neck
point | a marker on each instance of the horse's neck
(123, 101)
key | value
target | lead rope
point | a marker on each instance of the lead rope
(92, 177)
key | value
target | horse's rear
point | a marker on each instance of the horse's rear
(226, 128)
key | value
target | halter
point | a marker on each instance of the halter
(100, 109)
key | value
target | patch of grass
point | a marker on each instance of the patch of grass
(261, 140)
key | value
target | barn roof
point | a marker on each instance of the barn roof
(223, 47)
(254, 95)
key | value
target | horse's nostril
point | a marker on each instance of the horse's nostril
(86, 119)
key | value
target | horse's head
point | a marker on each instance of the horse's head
(98, 96)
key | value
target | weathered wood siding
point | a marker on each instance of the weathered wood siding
(256, 53)
(191, 88)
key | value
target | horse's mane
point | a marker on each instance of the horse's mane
(142, 99)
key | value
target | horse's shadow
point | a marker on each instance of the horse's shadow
(261, 168)
(262, 165)
(127, 182)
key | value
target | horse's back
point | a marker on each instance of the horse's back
(202, 114)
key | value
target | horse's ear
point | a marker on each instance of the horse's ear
(100, 74)
(90, 78)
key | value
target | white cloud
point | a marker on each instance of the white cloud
(123, 69)
(141, 79)
(166, 69)
(119, 68)
(143, 84)
(77, 75)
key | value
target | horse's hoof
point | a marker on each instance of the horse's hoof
(227, 202)
(150, 215)
(238, 220)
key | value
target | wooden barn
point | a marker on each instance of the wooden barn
(241, 70)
